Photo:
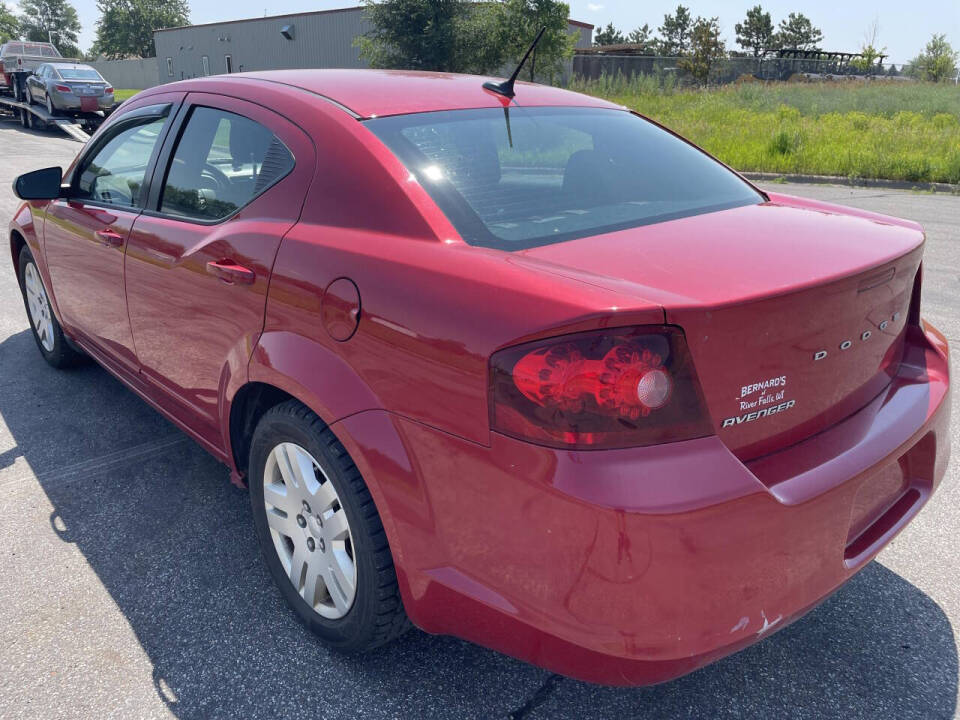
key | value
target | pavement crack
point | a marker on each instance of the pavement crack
(539, 697)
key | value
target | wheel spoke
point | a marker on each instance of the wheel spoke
(338, 592)
(287, 471)
(324, 496)
(298, 564)
(280, 497)
(303, 467)
(335, 526)
(311, 581)
(283, 524)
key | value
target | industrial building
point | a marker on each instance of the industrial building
(322, 39)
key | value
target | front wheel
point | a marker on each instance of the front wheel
(47, 332)
(320, 533)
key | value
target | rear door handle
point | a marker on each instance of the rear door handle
(229, 272)
(109, 237)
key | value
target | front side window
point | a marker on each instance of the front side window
(222, 161)
(537, 176)
(116, 172)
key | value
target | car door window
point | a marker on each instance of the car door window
(115, 173)
(221, 163)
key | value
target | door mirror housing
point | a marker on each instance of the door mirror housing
(39, 185)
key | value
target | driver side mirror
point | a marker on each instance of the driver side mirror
(39, 185)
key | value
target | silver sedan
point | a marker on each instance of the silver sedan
(70, 87)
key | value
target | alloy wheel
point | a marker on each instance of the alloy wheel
(39, 305)
(310, 530)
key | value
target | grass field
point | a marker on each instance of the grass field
(899, 131)
(121, 95)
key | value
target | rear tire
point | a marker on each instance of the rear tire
(291, 449)
(50, 108)
(47, 332)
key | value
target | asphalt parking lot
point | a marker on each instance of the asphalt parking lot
(131, 585)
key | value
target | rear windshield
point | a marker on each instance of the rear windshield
(536, 176)
(79, 74)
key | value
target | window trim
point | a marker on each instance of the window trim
(156, 111)
(169, 67)
(165, 160)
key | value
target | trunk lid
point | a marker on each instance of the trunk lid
(794, 311)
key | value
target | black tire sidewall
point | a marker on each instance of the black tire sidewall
(353, 630)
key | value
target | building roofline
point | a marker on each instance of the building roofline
(354, 8)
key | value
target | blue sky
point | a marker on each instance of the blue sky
(905, 25)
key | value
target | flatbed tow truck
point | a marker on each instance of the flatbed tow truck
(18, 60)
(78, 126)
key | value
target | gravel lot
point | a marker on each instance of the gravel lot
(131, 585)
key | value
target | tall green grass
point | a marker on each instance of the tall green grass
(899, 131)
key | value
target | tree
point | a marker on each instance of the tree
(9, 25)
(519, 23)
(798, 33)
(675, 32)
(413, 34)
(870, 54)
(125, 28)
(608, 36)
(937, 62)
(755, 32)
(53, 21)
(706, 48)
(465, 36)
(643, 36)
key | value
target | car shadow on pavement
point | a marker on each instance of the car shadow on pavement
(172, 542)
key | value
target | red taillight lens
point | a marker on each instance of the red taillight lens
(604, 389)
(108, 91)
(62, 88)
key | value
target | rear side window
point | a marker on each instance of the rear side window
(222, 162)
(536, 176)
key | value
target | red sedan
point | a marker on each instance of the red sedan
(532, 371)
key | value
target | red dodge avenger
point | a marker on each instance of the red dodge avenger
(512, 364)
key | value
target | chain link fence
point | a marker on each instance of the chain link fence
(670, 70)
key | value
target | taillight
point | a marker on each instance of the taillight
(108, 91)
(625, 387)
(62, 88)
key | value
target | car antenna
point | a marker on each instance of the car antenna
(505, 88)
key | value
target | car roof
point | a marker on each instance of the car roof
(374, 93)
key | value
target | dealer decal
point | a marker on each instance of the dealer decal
(757, 414)
(761, 399)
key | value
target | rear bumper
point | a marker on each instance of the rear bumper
(632, 567)
(75, 103)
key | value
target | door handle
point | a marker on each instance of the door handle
(109, 237)
(229, 272)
